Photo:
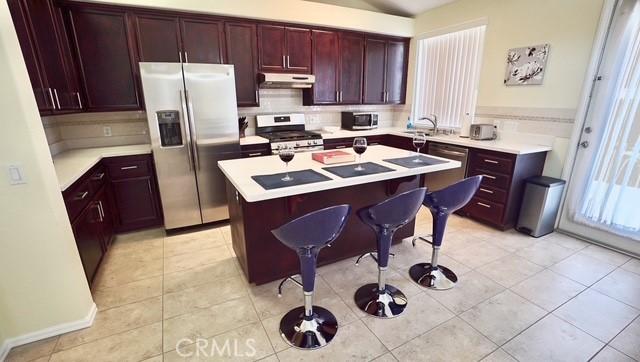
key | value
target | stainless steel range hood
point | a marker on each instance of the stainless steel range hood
(284, 80)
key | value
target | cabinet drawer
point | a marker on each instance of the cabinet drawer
(129, 167)
(491, 162)
(485, 210)
(255, 153)
(77, 197)
(97, 178)
(492, 179)
(491, 194)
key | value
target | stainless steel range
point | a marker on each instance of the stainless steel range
(288, 129)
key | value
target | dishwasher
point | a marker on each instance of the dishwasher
(438, 180)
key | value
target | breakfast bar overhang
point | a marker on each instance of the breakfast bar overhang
(255, 211)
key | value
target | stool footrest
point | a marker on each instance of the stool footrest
(422, 238)
(291, 278)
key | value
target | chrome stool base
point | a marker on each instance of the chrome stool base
(387, 304)
(308, 334)
(442, 278)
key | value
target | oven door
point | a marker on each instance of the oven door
(362, 120)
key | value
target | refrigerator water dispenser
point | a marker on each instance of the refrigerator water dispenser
(169, 126)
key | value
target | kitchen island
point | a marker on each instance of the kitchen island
(254, 211)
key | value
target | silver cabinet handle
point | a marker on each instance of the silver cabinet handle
(128, 168)
(98, 177)
(257, 95)
(101, 211)
(340, 96)
(79, 100)
(451, 153)
(485, 190)
(341, 146)
(180, 55)
(53, 102)
(288, 62)
(81, 196)
(55, 92)
(255, 154)
(491, 161)
(489, 176)
(186, 57)
(284, 61)
(337, 96)
(483, 205)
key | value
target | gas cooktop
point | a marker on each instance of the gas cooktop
(280, 136)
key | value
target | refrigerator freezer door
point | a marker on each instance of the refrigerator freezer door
(213, 113)
(163, 88)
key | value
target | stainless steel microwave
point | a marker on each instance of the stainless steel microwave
(359, 120)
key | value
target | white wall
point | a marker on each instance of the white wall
(540, 113)
(42, 283)
(295, 11)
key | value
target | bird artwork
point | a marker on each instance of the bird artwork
(526, 65)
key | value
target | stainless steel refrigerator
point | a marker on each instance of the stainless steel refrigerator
(193, 123)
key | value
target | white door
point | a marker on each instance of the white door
(603, 198)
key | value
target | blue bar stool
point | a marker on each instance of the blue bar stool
(442, 203)
(309, 326)
(380, 299)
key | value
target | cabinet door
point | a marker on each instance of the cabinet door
(241, 52)
(271, 47)
(87, 235)
(158, 38)
(396, 71)
(325, 65)
(298, 43)
(30, 55)
(351, 61)
(136, 203)
(103, 48)
(374, 71)
(202, 41)
(106, 226)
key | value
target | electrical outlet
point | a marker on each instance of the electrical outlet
(16, 174)
(107, 131)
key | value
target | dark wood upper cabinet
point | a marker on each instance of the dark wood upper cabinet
(284, 49)
(374, 71)
(241, 44)
(104, 51)
(271, 47)
(325, 66)
(202, 41)
(158, 38)
(385, 71)
(298, 56)
(41, 33)
(396, 71)
(351, 66)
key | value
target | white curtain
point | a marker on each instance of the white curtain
(612, 195)
(447, 75)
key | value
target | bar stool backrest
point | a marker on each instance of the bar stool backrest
(394, 212)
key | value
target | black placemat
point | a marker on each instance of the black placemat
(270, 182)
(408, 161)
(346, 171)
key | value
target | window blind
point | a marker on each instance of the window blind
(447, 75)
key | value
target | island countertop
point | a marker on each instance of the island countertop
(239, 172)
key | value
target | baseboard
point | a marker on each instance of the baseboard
(48, 332)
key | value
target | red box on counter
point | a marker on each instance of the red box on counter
(332, 157)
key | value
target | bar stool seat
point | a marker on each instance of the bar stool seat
(309, 326)
(442, 203)
(381, 299)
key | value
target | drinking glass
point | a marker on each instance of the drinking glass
(419, 140)
(359, 146)
(286, 155)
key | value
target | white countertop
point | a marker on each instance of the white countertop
(496, 145)
(239, 172)
(71, 165)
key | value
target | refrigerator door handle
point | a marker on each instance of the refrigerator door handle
(192, 129)
(187, 130)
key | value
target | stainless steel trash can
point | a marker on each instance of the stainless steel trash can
(540, 204)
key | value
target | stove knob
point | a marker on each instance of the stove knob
(297, 144)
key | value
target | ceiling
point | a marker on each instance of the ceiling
(408, 8)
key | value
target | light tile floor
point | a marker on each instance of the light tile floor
(519, 298)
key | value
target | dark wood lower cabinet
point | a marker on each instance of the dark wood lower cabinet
(118, 194)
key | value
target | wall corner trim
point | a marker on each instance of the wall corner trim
(56, 330)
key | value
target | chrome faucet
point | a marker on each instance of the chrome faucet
(434, 121)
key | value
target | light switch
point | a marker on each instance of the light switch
(16, 175)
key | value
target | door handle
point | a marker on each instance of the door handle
(483, 205)
(186, 131)
(98, 177)
(82, 196)
(451, 153)
(53, 102)
(489, 176)
(101, 210)
(485, 190)
(192, 129)
(284, 61)
(288, 62)
(491, 161)
(128, 168)
(79, 100)
(255, 154)
(55, 92)
(186, 57)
